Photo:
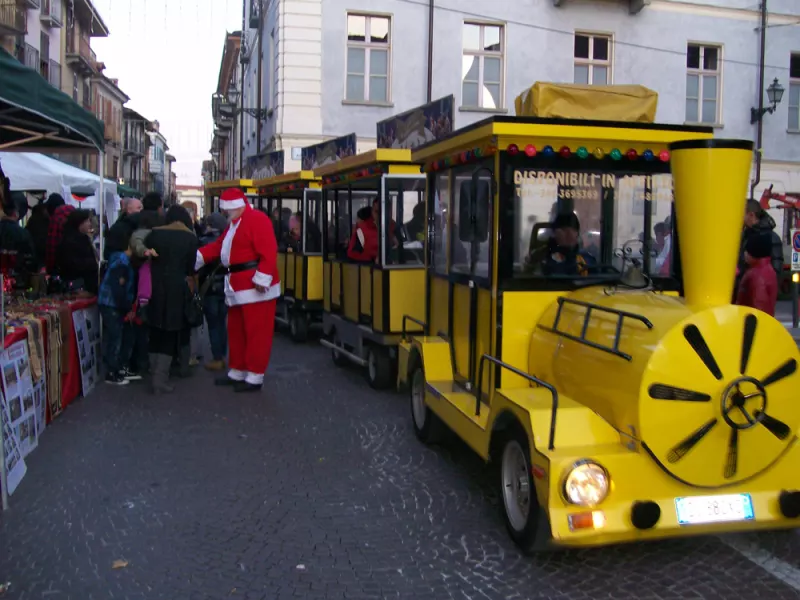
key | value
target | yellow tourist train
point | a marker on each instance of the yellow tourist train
(615, 388)
(370, 303)
(294, 203)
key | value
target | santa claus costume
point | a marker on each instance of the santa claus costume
(248, 252)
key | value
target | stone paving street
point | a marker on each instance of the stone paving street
(315, 489)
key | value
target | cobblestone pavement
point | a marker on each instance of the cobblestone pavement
(315, 489)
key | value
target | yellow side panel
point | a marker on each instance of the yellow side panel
(377, 300)
(326, 285)
(282, 270)
(404, 169)
(336, 284)
(521, 312)
(460, 333)
(365, 273)
(290, 272)
(406, 297)
(299, 284)
(314, 280)
(350, 292)
(483, 341)
(439, 305)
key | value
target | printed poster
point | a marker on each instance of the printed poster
(326, 153)
(418, 126)
(18, 394)
(87, 333)
(15, 464)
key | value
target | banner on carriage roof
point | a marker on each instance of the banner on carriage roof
(263, 166)
(418, 126)
(326, 153)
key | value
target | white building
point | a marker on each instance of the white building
(701, 56)
(157, 160)
(40, 46)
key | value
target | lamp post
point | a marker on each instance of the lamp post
(774, 96)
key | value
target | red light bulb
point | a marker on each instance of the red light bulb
(513, 149)
(663, 156)
(530, 150)
(632, 154)
(565, 152)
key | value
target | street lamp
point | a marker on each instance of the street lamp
(774, 95)
(259, 114)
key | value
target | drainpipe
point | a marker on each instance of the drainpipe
(760, 123)
(242, 48)
(260, 72)
(430, 50)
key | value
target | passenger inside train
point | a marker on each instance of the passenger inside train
(562, 254)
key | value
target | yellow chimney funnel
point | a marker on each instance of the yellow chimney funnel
(710, 179)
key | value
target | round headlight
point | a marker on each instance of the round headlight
(586, 484)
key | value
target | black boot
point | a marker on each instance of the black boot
(243, 386)
(159, 374)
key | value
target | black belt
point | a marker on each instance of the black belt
(253, 264)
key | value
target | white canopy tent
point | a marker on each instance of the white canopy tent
(31, 171)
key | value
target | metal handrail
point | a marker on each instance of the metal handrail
(530, 378)
(581, 339)
(413, 320)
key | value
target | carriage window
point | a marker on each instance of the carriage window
(311, 224)
(288, 223)
(441, 207)
(560, 231)
(661, 264)
(459, 249)
(405, 229)
(471, 220)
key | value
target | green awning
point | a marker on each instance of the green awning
(128, 192)
(35, 116)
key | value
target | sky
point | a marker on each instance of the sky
(166, 55)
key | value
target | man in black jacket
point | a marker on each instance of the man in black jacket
(756, 222)
(123, 229)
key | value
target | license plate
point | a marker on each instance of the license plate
(696, 510)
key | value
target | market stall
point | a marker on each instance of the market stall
(47, 351)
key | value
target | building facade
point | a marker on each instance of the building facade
(32, 31)
(108, 102)
(135, 146)
(157, 160)
(170, 179)
(226, 143)
(701, 56)
(190, 193)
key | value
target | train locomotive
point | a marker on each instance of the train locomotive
(615, 409)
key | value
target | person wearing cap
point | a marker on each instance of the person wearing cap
(562, 254)
(759, 285)
(248, 252)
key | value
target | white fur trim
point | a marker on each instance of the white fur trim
(237, 375)
(232, 204)
(251, 296)
(198, 262)
(262, 279)
(254, 378)
(227, 244)
(360, 235)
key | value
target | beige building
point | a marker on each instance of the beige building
(107, 104)
(191, 193)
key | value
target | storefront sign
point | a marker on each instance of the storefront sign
(264, 166)
(418, 126)
(328, 152)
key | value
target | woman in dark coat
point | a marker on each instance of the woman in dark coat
(76, 260)
(172, 268)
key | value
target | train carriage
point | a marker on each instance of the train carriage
(619, 392)
(214, 189)
(369, 304)
(294, 202)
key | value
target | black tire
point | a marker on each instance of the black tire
(427, 426)
(379, 367)
(298, 327)
(527, 528)
(339, 359)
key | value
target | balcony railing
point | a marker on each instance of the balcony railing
(13, 17)
(29, 56)
(79, 52)
(32, 3)
(134, 145)
(55, 74)
(51, 13)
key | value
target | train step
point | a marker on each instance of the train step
(460, 399)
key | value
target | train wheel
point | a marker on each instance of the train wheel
(521, 511)
(339, 359)
(298, 327)
(427, 426)
(379, 367)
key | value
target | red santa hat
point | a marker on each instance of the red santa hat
(231, 199)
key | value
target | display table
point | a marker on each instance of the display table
(71, 371)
